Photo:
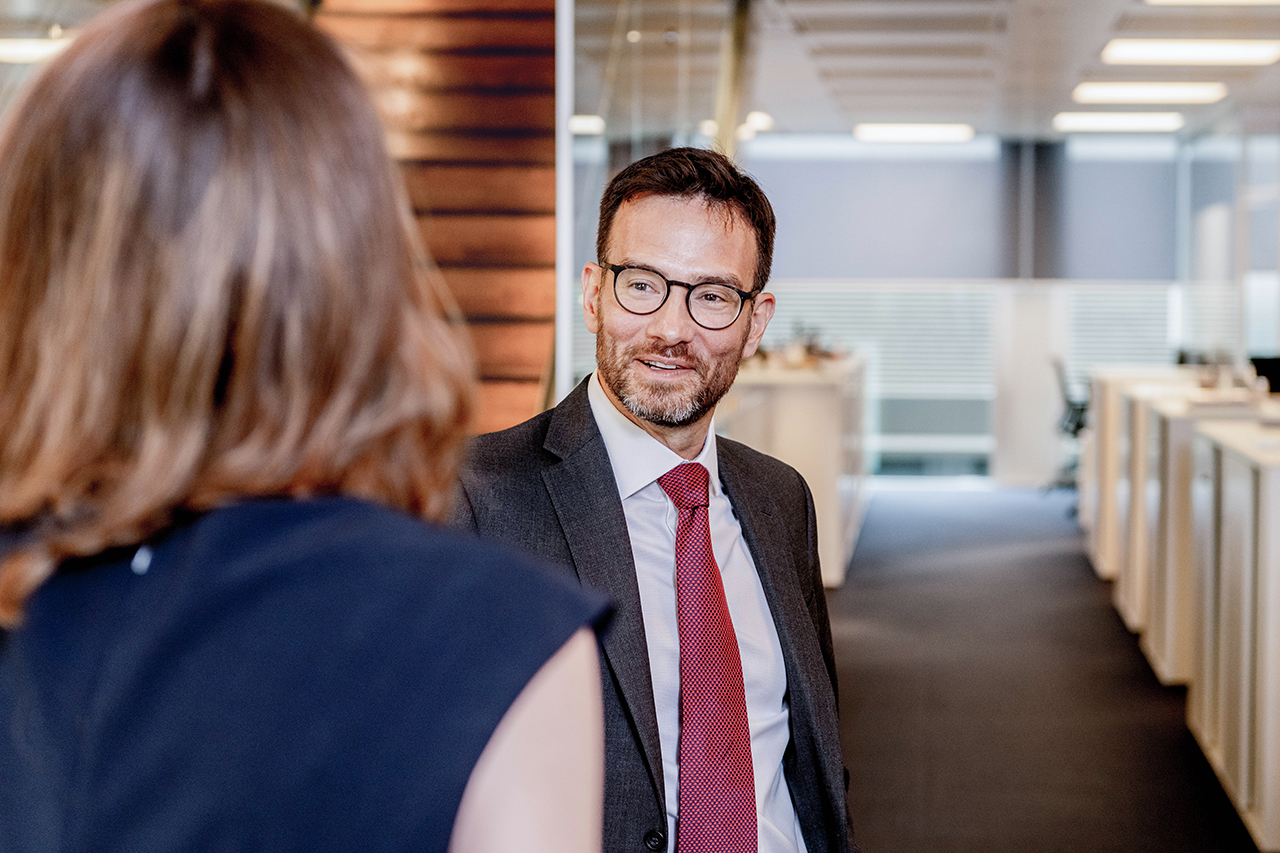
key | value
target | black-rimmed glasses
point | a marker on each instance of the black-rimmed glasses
(712, 306)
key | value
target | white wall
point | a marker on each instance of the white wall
(851, 210)
(1119, 210)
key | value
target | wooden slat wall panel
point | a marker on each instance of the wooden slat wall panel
(522, 31)
(467, 90)
(428, 7)
(503, 404)
(459, 71)
(537, 147)
(513, 351)
(467, 111)
(488, 240)
(461, 188)
(496, 292)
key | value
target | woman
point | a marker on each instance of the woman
(228, 398)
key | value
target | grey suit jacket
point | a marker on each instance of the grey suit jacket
(547, 486)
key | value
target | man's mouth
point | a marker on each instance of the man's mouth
(660, 366)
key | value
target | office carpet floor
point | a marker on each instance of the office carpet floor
(993, 702)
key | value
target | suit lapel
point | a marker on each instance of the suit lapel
(765, 530)
(585, 496)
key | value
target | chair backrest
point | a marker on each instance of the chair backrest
(1269, 368)
(1074, 411)
(1060, 371)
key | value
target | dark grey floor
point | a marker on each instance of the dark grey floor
(993, 702)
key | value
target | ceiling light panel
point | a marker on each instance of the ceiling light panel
(586, 125)
(1201, 23)
(1080, 122)
(1232, 76)
(1149, 93)
(1191, 52)
(23, 51)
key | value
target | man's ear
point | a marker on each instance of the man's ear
(592, 275)
(761, 313)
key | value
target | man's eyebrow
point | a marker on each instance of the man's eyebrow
(729, 278)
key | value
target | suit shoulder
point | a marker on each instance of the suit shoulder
(510, 449)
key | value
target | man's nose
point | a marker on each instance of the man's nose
(672, 322)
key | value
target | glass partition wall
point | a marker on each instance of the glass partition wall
(1230, 245)
(908, 255)
(901, 254)
(1210, 243)
(645, 77)
(1260, 210)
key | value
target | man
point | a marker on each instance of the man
(719, 678)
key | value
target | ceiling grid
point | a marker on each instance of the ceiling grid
(1006, 67)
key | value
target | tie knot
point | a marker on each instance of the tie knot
(686, 485)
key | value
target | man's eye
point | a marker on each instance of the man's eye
(712, 296)
(643, 285)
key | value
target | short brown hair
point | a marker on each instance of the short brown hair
(693, 173)
(213, 288)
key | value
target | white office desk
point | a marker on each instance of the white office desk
(812, 418)
(1168, 639)
(1105, 480)
(1139, 482)
(1233, 700)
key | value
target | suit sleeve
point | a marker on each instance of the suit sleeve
(815, 595)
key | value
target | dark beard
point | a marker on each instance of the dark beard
(664, 409)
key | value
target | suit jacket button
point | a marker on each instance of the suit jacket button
(655, 840)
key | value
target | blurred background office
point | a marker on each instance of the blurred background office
(984, 206)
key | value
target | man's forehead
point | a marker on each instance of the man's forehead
(719, 247)
(724, 213)
(724, 217)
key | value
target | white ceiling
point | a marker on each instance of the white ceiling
(1004, 66)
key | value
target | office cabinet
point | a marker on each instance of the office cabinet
(1234, 703)
(1107, 428)
(1137, 490)
(1174, 525)
(1202, 716)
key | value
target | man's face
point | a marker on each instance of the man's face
(664, 368)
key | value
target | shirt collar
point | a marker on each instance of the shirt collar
(638, 458)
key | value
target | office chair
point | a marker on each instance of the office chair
(1075, 413)
(1269, 369)
(1075, 416)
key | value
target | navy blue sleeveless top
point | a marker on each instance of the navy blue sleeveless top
(276, 675)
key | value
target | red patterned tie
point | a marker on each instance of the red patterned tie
(717, 789)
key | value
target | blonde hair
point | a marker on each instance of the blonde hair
(212, 288)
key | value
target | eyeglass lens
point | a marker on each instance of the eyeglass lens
(714, 306)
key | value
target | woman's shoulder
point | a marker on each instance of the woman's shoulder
(318, 647)
(339, 532)
(359, 548)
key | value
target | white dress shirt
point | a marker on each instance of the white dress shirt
(638, 461)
